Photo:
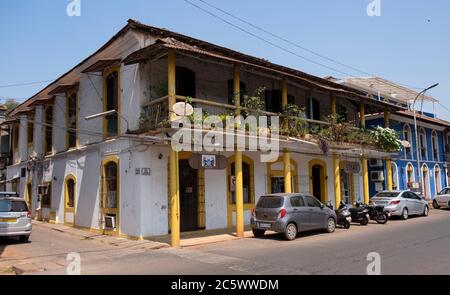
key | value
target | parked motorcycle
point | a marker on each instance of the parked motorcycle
(377, 213)
(360, 214)
(343, 214)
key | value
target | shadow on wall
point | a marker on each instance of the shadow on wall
(88, 184)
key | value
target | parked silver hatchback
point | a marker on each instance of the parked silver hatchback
(15, 218)
(290, 214)
(401, 203)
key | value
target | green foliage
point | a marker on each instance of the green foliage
(10, 104)
(387, 139)
(254, 103)
(337, 129)
(296, 125)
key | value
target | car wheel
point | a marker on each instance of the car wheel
(405, 214)
(258, 233)
(24, 239)
(291, 232)
(331, 225)
(435, 205)
(426, 210)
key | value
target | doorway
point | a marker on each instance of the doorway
(188, 179)
(318, 180)
(426, 182)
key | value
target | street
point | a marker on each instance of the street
(417, 246)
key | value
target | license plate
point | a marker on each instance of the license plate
(8, 220)
(264, 225)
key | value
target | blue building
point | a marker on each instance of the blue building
(432, 141)
(428, 163)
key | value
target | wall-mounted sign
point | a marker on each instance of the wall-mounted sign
(204, 161)
(143, 171)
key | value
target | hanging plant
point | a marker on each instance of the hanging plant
(387, 139)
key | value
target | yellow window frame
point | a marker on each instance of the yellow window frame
(106, 73)
(113, 211)
(278, 173)
(68, 209)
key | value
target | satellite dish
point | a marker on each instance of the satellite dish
(183, 109)
(406, 144)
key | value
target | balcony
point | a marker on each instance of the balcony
(293, 125)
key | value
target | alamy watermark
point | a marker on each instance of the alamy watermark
(199, 133)
(74, 8)
(374, 8)
(374, 266)
(73, 267)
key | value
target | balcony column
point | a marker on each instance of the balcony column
(238, 160)
(23, 145)
(286, 154)
(388, 161)
(173, 158)
(365, 174)
(337, 180)
(362, 114)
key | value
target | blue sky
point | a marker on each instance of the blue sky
(409, 43)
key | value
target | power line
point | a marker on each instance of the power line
(284, 40)
(265, 40)
(25, 84)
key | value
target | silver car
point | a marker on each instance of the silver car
(401, 203)
(15, 218)
(290, 214)
(442, 200)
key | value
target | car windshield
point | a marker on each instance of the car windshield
(270, 202)
(387, 195)
(13, 206)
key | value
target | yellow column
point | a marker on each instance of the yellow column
(365, 173)
(389, 174)
(333, 104)
(337, 180)
(362, 112)
(287, 172)
(173, 159)
(171, 76)
(238, 161)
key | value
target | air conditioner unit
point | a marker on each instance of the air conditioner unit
(110, 222)
(375, 163)
(377, 176)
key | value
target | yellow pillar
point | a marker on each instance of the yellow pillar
(173, 159)
(171, 76)
(287, 172)
(238, 161)
(337, 180)
(333, 104)
(389, 174)
(365, 173)
(362, 113)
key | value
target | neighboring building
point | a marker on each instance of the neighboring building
(4, 149)
(94, 174)
(433, 142)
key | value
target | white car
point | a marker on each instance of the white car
(442, 200)
(401, 203)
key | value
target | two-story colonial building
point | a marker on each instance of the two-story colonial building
(93, 148)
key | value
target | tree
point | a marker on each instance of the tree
(10, 104)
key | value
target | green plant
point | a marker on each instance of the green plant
(336, 130)
(387, 139)
(254, 104)
(295, 124)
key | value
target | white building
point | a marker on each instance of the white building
(77, 171)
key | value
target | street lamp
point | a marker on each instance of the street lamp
(419, 172)
(108, 113)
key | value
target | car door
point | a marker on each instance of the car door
(418, 203)
(444, 197)
(316, 213)
(409, 202)
(300, 212)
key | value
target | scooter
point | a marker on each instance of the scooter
(377, 213)
(343, 215)
(360, 214)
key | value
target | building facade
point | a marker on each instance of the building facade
(93, 149)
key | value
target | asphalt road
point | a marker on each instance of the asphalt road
(419, 245)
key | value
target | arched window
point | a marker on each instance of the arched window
(111, 102)
(70, 198)
(437, 179)
(408, 137)
(423, 144)
(409, 175)
(434, 146)
(111, 185)
(395, 185)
